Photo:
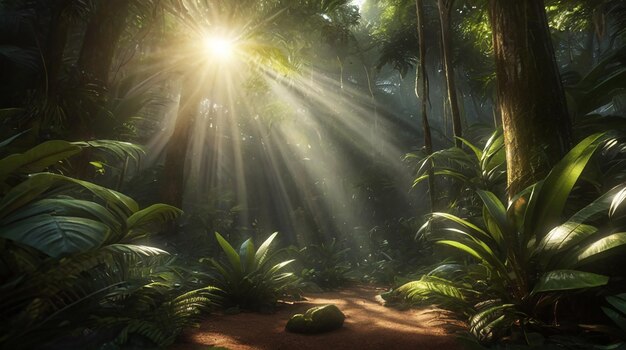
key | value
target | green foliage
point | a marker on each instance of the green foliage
(72, 259)
(530, 256)
(468, 169)
(325, 264)
(599, 87)
(395, 251)
(616, 311)
(248, 278)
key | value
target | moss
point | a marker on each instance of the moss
(318, 319)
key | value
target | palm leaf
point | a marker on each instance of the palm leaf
(37, 158)
(231, 254)
(119, 149)
(57, 235)
(37, 184)
(557, 186)
(150, 219)
(618, 200)
(497, 211)
(246, 252)
(261, 254)
(462, 222)
(602, 245)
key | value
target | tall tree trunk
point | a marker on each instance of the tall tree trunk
(57, 39)
(445, 8)
(537, 128)
(176, 150)
(420, 77)
(101, 38)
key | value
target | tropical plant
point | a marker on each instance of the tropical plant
(469, 169)
(72, 258)
(396, 251)
(249, 279)
(325, 264)
(616, 311)
(531, 257)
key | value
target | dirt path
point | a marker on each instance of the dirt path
(368, 325)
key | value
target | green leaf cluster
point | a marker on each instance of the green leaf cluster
(532, 252)
(249, 278)
(73, 257)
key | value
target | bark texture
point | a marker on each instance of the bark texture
(445, 7)
(537, 128)
(101, 38)
(176, 151)
(422, 79)
(57, 39)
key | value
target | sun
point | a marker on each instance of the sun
(219, 47)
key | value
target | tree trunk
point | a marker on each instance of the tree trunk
(57, 39)
(101, 38)
(420, 77)
(537, 128)
(178, 144)
(445, 7)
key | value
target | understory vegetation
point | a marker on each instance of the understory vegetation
(163, 160)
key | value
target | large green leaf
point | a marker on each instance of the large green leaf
(601, 246)
(37, 158)
(478, 153)
(231, 253)
(446, 172)
(417, 290)
(139, 250)
(37, 184)
(559, 280)
(461, 222)
(543, 215)
(246, 253)
(598, 208)
(617, 202)
(274, 269)
(57, 235)
(497, 211)
(119, 149)
(483, 323)
(64, 207)
(493, 153)
(564, 237)
(150, 219)
(261, 254)
(618, 313)
(479, 252)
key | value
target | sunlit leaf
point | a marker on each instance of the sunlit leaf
(37, 158)
(261, 254)
(36, 184)
(555, 190)
(57, 235)
(150, 219)
(617, 202)
(600, 246)
(498, 212)
(231, 253)
(462, 222)
(559, 280)
(246, 252)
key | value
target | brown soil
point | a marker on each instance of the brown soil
(368, 325)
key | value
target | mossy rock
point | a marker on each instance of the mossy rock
(318, 319)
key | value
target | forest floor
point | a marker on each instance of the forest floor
(369, 325)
